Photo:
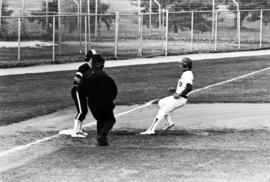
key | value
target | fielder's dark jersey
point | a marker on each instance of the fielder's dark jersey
(80, 72)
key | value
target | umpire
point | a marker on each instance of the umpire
(101, 91)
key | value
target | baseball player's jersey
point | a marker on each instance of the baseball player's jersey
(81, 70)
(186, 77)
(169, 104)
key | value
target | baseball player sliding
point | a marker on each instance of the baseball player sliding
(178, 99)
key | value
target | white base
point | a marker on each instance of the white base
(66, 132)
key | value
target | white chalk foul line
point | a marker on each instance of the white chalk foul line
(56, 135)
(129, 111)
(230, 80)
(27, 145)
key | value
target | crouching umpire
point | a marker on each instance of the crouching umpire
(101, 91)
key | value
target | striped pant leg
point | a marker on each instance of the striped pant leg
(80, 103)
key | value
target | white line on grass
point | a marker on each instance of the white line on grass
(230, 80)
(126, 112)
(56, 135)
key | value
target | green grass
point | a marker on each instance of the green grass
(26, 96)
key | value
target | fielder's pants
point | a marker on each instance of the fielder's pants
(80, 103)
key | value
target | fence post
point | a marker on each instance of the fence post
(166, 32)
(239, 28)
(59, 21)
(116, 34)
(192, 30)
(150, 14)
(85, 35)
(46, 14)
(140, 35)
(163, 19)
(216, 29)
(89, 24)
(139, 13)
(53, 36)
(96, 18)
(1, 4)
(19, 38)
(261, 27)
(213, 19)
(80, 21)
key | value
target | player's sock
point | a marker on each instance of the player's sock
(80, 125)
(76, 126)
(154, 125)
(80, 130)
(168, 117)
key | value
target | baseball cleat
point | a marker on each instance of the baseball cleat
(168, 126)
(77, 135)
(83, 132)
(147, 132)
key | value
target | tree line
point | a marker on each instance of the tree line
(202, 22)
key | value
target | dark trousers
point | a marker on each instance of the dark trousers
(105, 121)
(80, 103)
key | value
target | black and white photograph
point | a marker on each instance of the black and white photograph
(135, 90)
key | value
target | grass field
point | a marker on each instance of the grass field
(26, 96)
(227, 155)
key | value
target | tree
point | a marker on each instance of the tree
(69, 7)
(180, 20)
(4, 21)
(251, 16)
(202, 23)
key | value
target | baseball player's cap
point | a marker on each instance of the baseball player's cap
(186, 62)
(90, 54)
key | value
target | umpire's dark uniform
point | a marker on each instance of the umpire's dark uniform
(101, 91)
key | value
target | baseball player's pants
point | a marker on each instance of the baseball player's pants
(80, 103)
(169, 104)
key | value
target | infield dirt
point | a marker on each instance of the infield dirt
(194, 119)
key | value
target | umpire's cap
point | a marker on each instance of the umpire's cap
(98, 61)
(90, 54)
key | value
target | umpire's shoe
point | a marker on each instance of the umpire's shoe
(102, 140)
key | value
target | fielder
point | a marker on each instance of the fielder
(80, 100)
(178, 99)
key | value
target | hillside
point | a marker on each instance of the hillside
(123, 6)
(30, 5)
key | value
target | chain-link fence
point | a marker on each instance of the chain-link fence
(115, 35)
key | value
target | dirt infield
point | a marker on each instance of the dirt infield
(210, 142)
(195, 119)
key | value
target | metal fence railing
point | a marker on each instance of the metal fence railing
(117, 35)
